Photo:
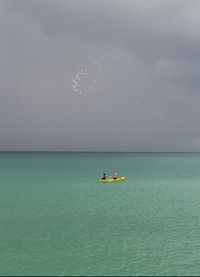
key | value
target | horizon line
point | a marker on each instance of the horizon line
(57, 151)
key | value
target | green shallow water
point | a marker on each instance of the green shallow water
(56, 219)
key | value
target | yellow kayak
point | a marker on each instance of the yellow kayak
(113, 180)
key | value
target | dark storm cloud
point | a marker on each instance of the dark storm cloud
(147, 92)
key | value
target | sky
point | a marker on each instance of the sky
(100, 75)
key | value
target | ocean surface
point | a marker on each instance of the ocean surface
(56, 219)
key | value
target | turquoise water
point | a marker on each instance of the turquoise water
(56, 219)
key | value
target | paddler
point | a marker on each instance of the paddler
(115, 176)
(104, 177)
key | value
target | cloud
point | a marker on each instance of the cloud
(147, 93)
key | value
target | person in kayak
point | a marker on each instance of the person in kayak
(115, 176)
(104, 177)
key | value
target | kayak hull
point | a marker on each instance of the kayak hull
(113, 180)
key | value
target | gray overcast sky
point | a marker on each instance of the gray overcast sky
(147, 91)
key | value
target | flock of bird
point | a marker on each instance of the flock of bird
(84, 79)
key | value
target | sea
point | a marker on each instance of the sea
(56, 218)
